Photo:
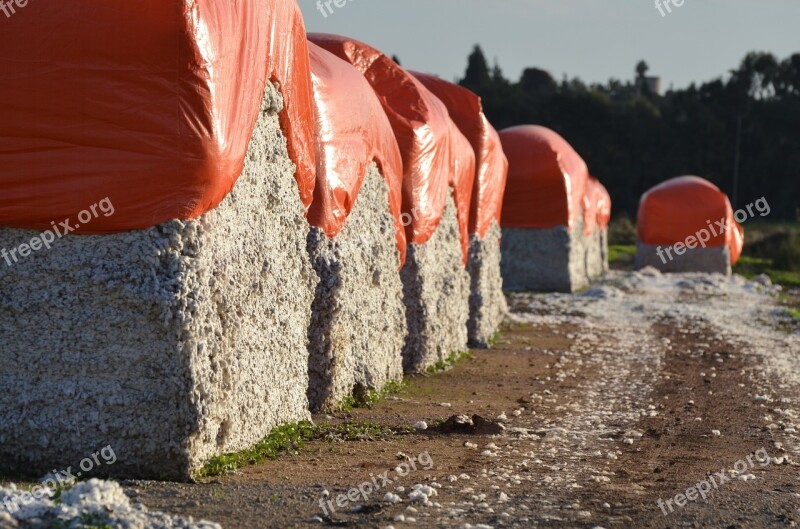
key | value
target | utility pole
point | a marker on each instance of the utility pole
(737, 161)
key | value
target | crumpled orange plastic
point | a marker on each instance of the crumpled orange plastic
(352, 131)
(466, 110)
(603, 207)
(597, 206)
(426, 135)
(462, 181)
(150, 103)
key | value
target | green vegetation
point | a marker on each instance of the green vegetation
(622, 231)
(621, 256)
(774, 249)
(290, 439)
(367, 399)
(753, 266)
(779, 243)
(453, 359)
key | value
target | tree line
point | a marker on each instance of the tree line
(633, 139)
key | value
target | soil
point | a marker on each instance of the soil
(611, 400)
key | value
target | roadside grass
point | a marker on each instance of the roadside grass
(621, 256)
(751, 267)
(289, 439)
(773, 249)
(367, 399)
(450, 361)
(492, 342)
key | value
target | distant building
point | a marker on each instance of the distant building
(653, 85)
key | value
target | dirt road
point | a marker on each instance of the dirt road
(648, 401)
(612, 400)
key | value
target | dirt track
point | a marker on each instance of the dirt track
(629, 405)
(615, 399)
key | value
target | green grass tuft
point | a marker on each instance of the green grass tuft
(453, 359)
(621, 256)
(370, 398)
(492, 342)
(290, 439)
(624, 253)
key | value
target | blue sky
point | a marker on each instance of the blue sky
(590, 39)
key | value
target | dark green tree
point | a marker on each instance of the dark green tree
(477, 75)
(633, 140)
(537, 82)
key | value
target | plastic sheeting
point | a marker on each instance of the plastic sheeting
(462, 180)
(684, 206)
(597, 206)
(466, 110)
(604, 207)
(150, 103)
(424, 132)
(352, 131)
(547, 179)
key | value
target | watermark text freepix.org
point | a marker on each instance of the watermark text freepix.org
(714, 229)
(9, 7)
(373, 486)
(47, 238)
(60, 479)
(704, 488)
(665, 6)
(324, 6)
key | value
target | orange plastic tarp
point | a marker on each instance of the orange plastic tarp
(423, 129)
(462, 181)
(466, 110)
(150, 103)
(547, 179)
(597, 206)
(590, 202)
(603, 207)
(352, 131)
(682, 207)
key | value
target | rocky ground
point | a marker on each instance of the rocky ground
(646, 401)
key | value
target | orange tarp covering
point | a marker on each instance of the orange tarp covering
(352, 131)
(681, 207)
(466, 110)
(150, 103)
(424, 131)
(597, 206)
(603, 206)
(462, 180)
(547, 179)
